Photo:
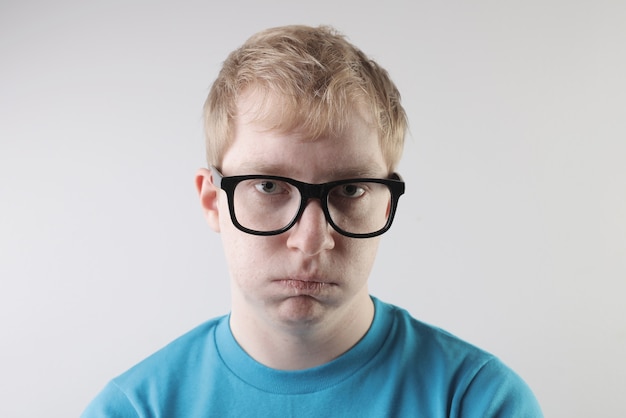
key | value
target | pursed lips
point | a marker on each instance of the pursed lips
(307, 283)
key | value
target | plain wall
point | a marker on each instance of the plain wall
(512, 233)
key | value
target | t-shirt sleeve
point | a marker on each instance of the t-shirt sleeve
(497, 391)
(111, 402)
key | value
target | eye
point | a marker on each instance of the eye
(269, 187)
(351, 190)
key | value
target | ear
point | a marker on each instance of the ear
(209, 198)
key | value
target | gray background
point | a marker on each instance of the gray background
(512, 233)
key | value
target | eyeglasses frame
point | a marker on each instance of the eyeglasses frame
(309, 191)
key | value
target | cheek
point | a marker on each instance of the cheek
(250, 258)
(224, 215)
(359, 255)
(369, 253)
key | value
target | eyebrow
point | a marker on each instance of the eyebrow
(336, 173)
(357, 172)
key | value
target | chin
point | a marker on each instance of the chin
(300, 310)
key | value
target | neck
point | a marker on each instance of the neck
(297, 345)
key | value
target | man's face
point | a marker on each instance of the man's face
(309, 273)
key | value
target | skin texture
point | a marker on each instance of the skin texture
(299, 299)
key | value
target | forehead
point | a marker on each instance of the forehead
(266, 141)
(308, 118)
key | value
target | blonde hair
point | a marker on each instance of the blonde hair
(318, 78)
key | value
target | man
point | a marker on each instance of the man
(303, 135)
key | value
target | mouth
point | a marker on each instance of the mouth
(305, 286)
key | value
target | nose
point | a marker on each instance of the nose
(311, 234)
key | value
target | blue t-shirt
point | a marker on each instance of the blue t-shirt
(400, 368)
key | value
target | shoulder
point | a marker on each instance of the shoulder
(186, 349)
(429, 341)
(158, 376)
(496, 390)
(477, 383)
(109, 403)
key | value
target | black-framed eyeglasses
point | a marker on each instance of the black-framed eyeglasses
(270, 205)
